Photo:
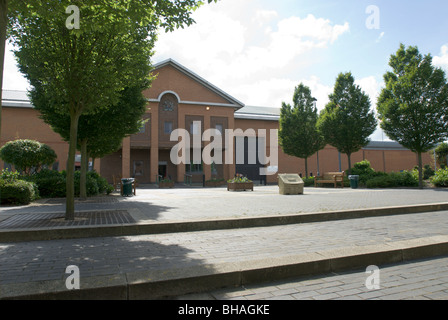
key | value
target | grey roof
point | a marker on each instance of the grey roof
(258, 113)
(16, 98)
(384, 145)
(235, 103)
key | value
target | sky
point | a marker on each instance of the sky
(258, 51)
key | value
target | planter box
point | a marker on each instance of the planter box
(232, 186)
(165, 185)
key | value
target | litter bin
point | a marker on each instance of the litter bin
(354, 181)
(290, 184)
(127, 186)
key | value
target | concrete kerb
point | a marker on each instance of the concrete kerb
(169, 283)
(20, 235)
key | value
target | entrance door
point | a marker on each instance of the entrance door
(251, 166)
(163, 168)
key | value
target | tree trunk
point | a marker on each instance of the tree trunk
(306, 167)
(420, 170)
(84, 164)
(349, 156)
(70, 184)
(3, 25)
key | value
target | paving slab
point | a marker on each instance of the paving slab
(321, 231)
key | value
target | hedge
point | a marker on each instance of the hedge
(440, 179)
(17, 192)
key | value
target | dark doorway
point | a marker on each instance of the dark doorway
(251, 166)
(162, 170)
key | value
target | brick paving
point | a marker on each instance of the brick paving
(39, 260)
(183, 204)
(418, 280)
(36, 261)
(53, 220)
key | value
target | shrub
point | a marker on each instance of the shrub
(27, 154)
(103, 185)
(9, 176)
(239, 178)
(440, 179)
(428, 172)
(365, 172)
(51, 184)
(308, 181)
(17, 192)
(441, 154)
(393, 180)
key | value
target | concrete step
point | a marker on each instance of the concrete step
(144, 228)
(150, 284)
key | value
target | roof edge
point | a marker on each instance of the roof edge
(198, 78)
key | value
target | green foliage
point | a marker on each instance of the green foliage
(412, 108)
(52, 184)
(347, 120)
(413, 105)
(440, 179)
(83, 71)
(428, 172)
(394, 180)
(298, 133)
(17, 192)
(442, 154)
(27, 154)
(365, 172)
(239, 178)
(9, 176)
(308, 182)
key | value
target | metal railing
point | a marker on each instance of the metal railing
(188, 179)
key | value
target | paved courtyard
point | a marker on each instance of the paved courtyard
(36, 262)
(186, 204)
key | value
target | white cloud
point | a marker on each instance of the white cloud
(380, 37)
(442, 60)
(371, 87)
(12, 78)
(247, 50)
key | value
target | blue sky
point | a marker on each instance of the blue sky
(259, 50)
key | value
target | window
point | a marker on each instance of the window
(142, 128)
(138, 168)
(195, 127)
(168, 127)
(194, 168)
(219, 128)
(55, 166)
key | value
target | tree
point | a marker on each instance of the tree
(413, 107)
(347, 120)
(298, 134)
(3, 24)
(153, 14)
(84, 70)
(99, 134)
(27, 155)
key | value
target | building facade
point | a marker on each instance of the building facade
(181, 99)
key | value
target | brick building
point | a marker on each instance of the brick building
(179, 98)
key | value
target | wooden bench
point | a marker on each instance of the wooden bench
(330, 177)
